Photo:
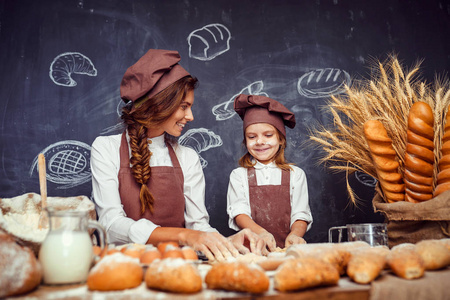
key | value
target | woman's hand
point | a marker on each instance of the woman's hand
(292, 239)
(257, 245)
(214, 245)
(268, 238)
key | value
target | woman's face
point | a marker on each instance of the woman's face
(175, 123)
(262, 142)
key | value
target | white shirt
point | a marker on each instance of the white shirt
(105, 165)
(238, 200)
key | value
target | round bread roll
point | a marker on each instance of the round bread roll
(384, 159)
(20, 271)
(237, 276)
(115, 272)
(419, 155)
(150, 254)
(174, 275)
(189, 253)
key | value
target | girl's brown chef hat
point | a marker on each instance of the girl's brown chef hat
(260, 109)
(151, 74)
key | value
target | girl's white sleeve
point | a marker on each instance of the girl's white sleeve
(300, 209)
(238, 201)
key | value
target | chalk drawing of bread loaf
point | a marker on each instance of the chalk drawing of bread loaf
(323, 83)
(443, 177)
(385, 162)
(419, 154)
(66, 64)
(209, 42)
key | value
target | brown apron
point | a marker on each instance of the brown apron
(166, 185)
(271, 205)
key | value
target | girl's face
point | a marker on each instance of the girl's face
(262, 142)
(175, 123)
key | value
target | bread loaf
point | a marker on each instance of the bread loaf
(419, 155)
(174, 275)
(405, 262)
(20, 271)
(305, 272)
(115, 272)
(434, 253)
(366, 264)
(384, 159)
(443, 178)
(237, 276)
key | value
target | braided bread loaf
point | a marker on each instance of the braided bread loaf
(443, 178)
(419, 155)
(384, 159)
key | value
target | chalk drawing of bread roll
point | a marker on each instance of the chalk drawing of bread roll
(419, 154)
(209, 42)
(443, 177)
(66, 64)
(67, 163)
(323, 83)
(225, 110)
(200, 139)
(384, 160)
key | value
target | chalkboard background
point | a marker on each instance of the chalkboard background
(62, 62)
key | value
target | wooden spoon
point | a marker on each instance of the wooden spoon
(43, 219)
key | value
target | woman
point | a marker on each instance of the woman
(147, 188)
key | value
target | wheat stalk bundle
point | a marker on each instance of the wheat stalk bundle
(386, 96)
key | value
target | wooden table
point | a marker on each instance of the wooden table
(434, 285)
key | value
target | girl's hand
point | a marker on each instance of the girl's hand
(292, 239)
(269, 240)
(257, 244)
(214, 245)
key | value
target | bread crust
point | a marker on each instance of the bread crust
(304, 272)
(174, 275)
(237, 276)
(384, 159)
(419, 155)
(115, 272)
(20, 271)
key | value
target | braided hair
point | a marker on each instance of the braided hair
(151, 113)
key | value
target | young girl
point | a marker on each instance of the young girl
(266, 194)
(147, 188)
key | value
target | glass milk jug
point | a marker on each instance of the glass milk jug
(66, 253)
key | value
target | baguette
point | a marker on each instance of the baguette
(365, 265)
(434, 253)
(406, 262)
(419, 155)
(443, 178)
(384, 159)
(305, 272)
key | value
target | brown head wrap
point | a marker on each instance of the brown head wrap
(151, 74)
(260, 109)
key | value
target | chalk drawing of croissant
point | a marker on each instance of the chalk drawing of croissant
(66, 64)
(200, 139)
(67, 163)
(323, 83)
(209, 42)
(225, 110)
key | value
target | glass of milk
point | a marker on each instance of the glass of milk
(66, 253)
